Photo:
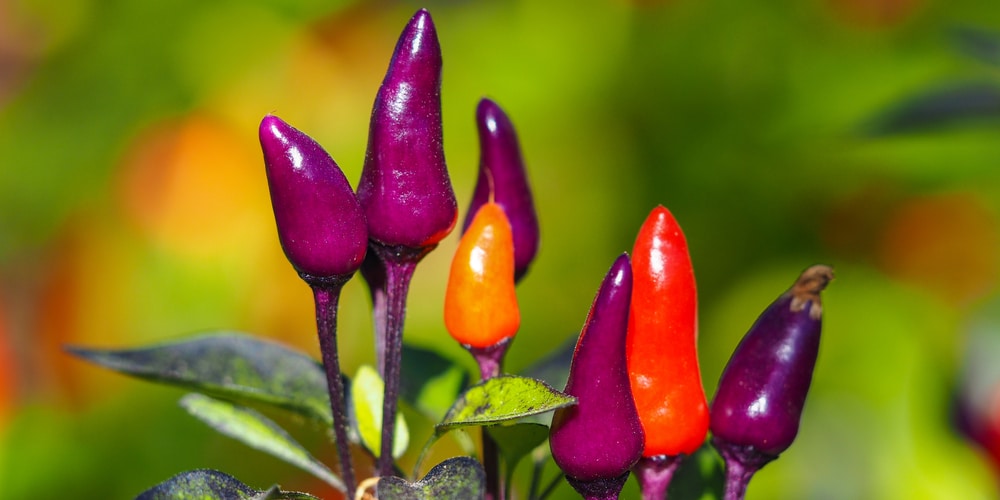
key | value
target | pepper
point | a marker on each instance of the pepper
(324, 235)
(406, 195)
(480, 303)
(597, 441)
(320, 223)
(662, 350)
(756, 410)
(504, 180)
(404, 188)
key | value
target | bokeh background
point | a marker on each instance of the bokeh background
(864, 134)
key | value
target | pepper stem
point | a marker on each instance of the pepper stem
(399, 264)
(599, 489)
(327, 297)
(654, 475)
(742, 462)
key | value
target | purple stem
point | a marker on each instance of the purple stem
(654, 475)
(400, 262)
(742, 462)
(327, 296)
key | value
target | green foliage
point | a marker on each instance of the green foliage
(366, 397)
(503, 399)
(228, 364)
(256, 431)
(459, 477)
(204, 484)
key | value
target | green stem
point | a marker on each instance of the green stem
(327, 296)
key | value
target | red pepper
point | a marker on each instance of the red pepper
(662, 337)
(480, 305)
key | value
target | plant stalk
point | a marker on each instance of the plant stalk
(399, 264)
(327, 297)
(654, 475)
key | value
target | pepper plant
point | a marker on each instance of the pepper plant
(633, 399)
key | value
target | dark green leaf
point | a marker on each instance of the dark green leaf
(955, 104)
(981, 44)
(258, 432)
(700, 477)
(516, 441)
(431, 382)
(206, 484)
(229, 364)
(455, 478)
(503, 399)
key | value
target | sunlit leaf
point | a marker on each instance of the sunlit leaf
(459, 477)
(206, 484)
(367, 389)
(432, 382)
(256, 431)
(229, 364)
(503, 399)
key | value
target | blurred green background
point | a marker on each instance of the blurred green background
(864, 134)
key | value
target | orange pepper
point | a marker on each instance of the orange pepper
(480, 305)
(662, 337)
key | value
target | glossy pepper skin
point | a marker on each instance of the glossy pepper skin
(504, 179)
(404, 189)
(321, 226)
(597, 441)
(662, 338)
(480, 303)
(756, 410)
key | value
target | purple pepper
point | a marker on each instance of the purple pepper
(320, 223)
(405, 189)
(756, 411)
(323, 232)
(406, 196)
(597, 441)
(501, 170)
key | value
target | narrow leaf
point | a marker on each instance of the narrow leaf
(229, 364)
(459, 477)
(206, 484)
(956, 104)
(503, 399)
(367, 391)
(258, 432)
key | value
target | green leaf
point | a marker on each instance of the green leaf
(258, 432)
(207, 484)
(516, 441)
(459, 477)
(432, 382)
(700, 476)
(367, 391)
(229, 364)
(503, 399)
